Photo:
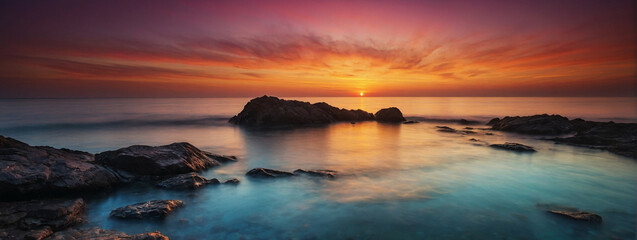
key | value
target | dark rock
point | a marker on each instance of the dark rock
(169, 159)
(513, 147)
(268, 173)
(150, 209)
(389, 115)
(619, 138)
(316, 173)
(101, 234)
(39, 219)
(410, 122)
(272, 111)
(577, 215)
(446, 129)
(232, 181)
(537, 124)
(488, 133)
(186, 181)
(474, 140)
(27, 171)
(221, 158)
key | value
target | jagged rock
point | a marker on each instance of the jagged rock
(268, 173)
(316, 173)
(390, 115)
(101, 234)
(577, 215)
(169, 159)
(537, 124)
(186, 181)
(150, 209)
(272, 111)
(232, 181)
(513, 147)
(27, 171)
(38, 219)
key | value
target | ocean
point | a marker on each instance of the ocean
(397, 181)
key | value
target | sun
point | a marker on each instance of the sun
(362, 94)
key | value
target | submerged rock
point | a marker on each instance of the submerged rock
(316, 173)
(513, 147)
(27, 171)
(537, 124)
(268, 173)
(452, 130)
(271, 111)
(101, 234)
(619, 138)
(232, 181)
(389, 115)
(150, 209)
(578, 215)
(410, 122)
(38, 219)
(186, 181)
(169, 159)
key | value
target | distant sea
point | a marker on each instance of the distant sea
(398, 181)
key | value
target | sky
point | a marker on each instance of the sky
(121, 48)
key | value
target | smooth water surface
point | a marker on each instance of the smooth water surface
(397, 181)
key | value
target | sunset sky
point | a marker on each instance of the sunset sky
(317, 48)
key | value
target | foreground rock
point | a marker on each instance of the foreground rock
(27, 171)
(268, 173)
(577, 215)
(537, 124)
(101, 234)
(513, 147)
(169, 159)
(389, 115)
(272, 111)
(39, 219)
(316, 173)
(186, 181)
(150, 209)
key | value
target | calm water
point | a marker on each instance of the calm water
(399, 181)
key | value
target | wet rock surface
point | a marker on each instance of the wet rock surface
(102, 234)
(186, 181)
(43, 171)
(272, 111)
(389, 115)
(150, 209)
(537, 124)
(38, 219)
(268, 173)
(317, 173)
(578, 215)
(169, 159)
(232, 181)
(513, 147)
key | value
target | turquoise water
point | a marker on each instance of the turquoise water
(397, 181)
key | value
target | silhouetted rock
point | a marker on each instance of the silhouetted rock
(169, 159)
(316, 173)
(186, 181)
(101, 234)
(39, 219)
(577, 215)
(452, 130)
(150, 209)
(268, 173)
(619, 138)
(513, 147)
(410, 122)
(537, 124)
(389, 115)
(232, 181)
(27, 171)
(272, 111)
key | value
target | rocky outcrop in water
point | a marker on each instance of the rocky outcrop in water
(619, 138)
(44, 171)
(272, 111)
(316, 173)
(101, 234)
(513, 147)
(186, 181)
(578, 215)
(452, 130)
(169, 159)
(150, 209)
(232, 181)
(268, 173)
(39, 219)
(389, 115)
